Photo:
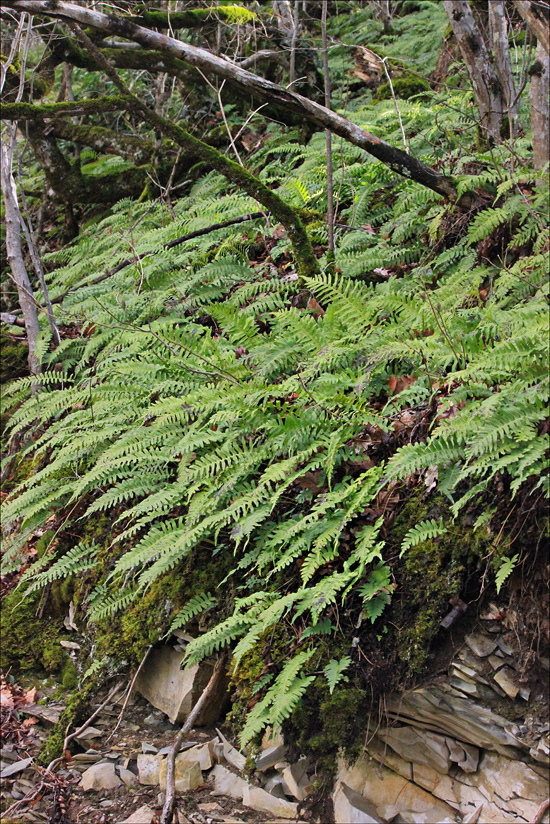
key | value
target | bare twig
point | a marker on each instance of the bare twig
(168, 809)
(540, 812)
(328, 133)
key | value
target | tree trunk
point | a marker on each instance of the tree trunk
(330, 192)
(498, 26)
(538, 99)
(537, 18)
(398, 160)
(15, 259)
(487, 89)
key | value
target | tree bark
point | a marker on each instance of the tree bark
(15, 259)
(538, 101)
(498, 26)
(537, 18)
(490, 101)
(330, 192)
(398, 160)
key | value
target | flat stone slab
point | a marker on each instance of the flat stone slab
(100, 776)
(175, 691)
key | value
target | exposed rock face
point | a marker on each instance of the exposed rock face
(174, 690)
(446, 755)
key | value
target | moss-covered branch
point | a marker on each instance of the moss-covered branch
(191, 19)
(139, 150)
(40, 111)
(306, 261)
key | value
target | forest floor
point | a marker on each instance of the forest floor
(60, 798)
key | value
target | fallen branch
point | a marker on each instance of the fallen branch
(179, 240)
(540, 812)
(168, 809)
(8, 317)
(84, 726)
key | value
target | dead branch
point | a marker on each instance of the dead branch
(168, 809)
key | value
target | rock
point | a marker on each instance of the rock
(89, 757)
(270, 757)
(175, 691)
(260, 800)
(496, 662)
(297, 780)
(130, 779)
(16, 767)
(471, 759)
(481, 645)
(148, 748)
(148, 769)
(203, 754)
(47, 715)
(144, 815)
(505, 646)
(505, 678)
(352, 808)
(232, 755)
(391, 794)
(272, 738)
(100, 776)
(187, 774)
(275, 786)
(457, 717)
(88, 734)
(473, 817)
(524, 693)
(418, 746)
(226, 782)
(152, 720)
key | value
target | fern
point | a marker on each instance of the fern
(421, 532)
(504, 571)
(334, 672)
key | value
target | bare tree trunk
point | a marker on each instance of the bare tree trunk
(294, 40)
(538, 99)
(487, 90)
(15, 258)
(328, 133)
(537, 17)
(498, 26)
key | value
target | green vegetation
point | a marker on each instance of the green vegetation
(304, 461)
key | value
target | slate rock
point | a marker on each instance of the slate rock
(148, 768)
(187, 775)
(100, 776)
(130, 779)
(16, 767)
(505, 678)
(481, 645)
(227, 783)
(260, 800)
(270, 757)
(144, 815)
(175, 691)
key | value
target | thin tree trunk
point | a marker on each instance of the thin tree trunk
(294, 40)
(498, 26)
(15, 259)
(487, 90)
(328, 133)
(538, 100)
(537, 18)
(398, 160)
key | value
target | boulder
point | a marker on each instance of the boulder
(175, 691)
(187, 774)
(100, 776)
(260, 800)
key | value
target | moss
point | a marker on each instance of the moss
(404, 87)
(29, 643)
(75, 713)
(429, 575)
(69, 676)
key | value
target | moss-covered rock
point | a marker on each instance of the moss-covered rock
(404, 86)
